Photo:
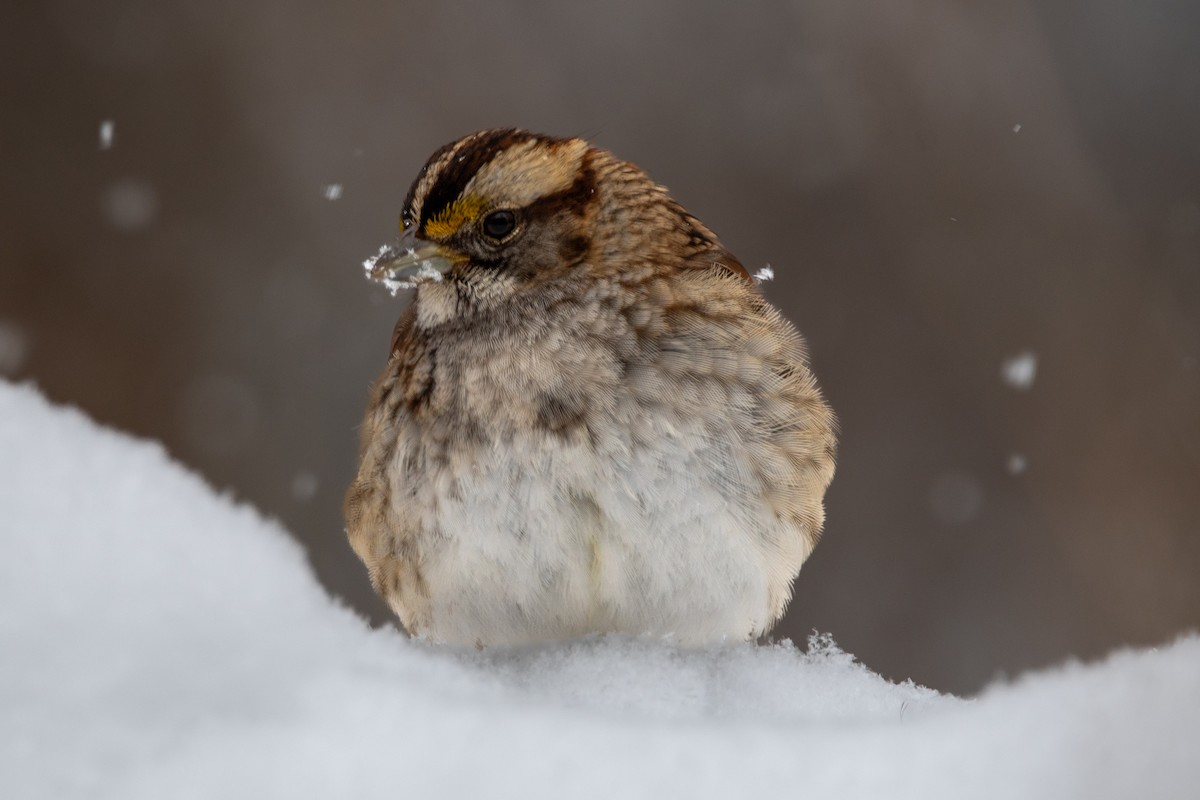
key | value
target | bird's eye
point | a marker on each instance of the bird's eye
(499, 224)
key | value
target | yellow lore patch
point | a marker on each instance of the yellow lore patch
(454, 216)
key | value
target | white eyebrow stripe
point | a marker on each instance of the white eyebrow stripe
(523, 172)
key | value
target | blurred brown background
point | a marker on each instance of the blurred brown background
(941, 186)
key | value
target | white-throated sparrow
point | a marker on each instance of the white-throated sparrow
(590, 420)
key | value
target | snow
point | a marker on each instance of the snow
(765, 274)
(332, 191)
(1020, 370)
(107, 129)
(162, 640)
(425, 271)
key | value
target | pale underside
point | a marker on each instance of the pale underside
(548, 539)
(680, 501)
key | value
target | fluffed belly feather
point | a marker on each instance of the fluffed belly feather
(547, 537)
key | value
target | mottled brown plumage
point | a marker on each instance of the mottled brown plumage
(589, 421)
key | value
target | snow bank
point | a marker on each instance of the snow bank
(162, 641)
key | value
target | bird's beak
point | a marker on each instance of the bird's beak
(408, 262)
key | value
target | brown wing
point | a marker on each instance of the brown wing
(721, 258)
(380, 536)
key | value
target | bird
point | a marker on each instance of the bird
(590, 421)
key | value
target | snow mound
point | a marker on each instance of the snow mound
(161, 640)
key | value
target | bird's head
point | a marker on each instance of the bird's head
(492, 214)
(498, 213)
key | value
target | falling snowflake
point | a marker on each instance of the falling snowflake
(1020, 370)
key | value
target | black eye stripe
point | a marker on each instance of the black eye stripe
(573, 199)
